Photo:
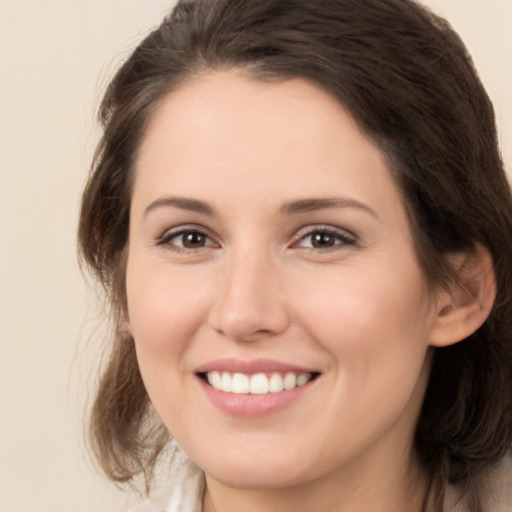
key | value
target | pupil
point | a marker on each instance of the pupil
(323, 240)
(193, 240)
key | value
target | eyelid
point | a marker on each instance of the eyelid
(165, 238)
(343, 235)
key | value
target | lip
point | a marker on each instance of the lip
(248, 405)
(250, 367)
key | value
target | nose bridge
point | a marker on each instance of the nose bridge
(250, 302)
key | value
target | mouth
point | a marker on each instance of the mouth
(262, 383)
(254, 388)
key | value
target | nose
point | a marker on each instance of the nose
(250, 304)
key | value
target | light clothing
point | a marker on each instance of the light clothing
(184, 495)
(495, 489)
(187, 490)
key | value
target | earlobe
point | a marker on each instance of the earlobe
(465, 306)
(127, 327)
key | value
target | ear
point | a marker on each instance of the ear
(126, 325)
(466, 304)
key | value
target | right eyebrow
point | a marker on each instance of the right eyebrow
(320, 203)
(184, 203)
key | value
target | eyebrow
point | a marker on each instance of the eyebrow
(314, 204)
(290, 208)
(184, 203)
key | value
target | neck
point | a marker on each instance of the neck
(381, 491)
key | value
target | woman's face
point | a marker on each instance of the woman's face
(269, 248)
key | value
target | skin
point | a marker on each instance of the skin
(355, 309)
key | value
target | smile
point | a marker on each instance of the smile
(255, 388)
(256, 384)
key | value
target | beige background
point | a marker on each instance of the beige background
(55, 57)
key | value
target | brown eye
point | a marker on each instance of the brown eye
(325, 239)
(193, 239)
(322, 240)
(186, 239)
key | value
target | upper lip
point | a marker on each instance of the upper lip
(249, 367)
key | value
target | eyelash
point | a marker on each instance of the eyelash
(342, 238)
(168, 236)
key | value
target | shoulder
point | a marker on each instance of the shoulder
(495, 491)
(183, 493)
(497, 487)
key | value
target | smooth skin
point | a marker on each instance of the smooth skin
(265, 224)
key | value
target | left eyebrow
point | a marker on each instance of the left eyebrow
(314, 204)
(184, 203)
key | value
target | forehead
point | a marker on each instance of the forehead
(290, 137)
(217, 107)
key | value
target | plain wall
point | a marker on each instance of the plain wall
(55, 58)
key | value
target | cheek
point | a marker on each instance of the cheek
(165, 312)
(375, 330)
(374, 324)
(165, 309)
(364, 298)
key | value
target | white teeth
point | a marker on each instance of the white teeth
(290, 381)
(225, 382)
(276, 383)
(257, 384)
(303, 378)
(215, 379)
(239, 383)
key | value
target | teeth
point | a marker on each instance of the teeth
(290, 381)
(276, 383)
(226, 382)
(239, 383)
(257, 384)
(215, 380)
(303, 378)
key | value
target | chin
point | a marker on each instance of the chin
(254, 478)
(262, 473)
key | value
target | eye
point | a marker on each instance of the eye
(324, 238)
(186, 239)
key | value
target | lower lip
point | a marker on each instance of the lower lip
(251, 406)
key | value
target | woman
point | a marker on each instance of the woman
(300, 216)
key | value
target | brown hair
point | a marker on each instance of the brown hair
(408, 80)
